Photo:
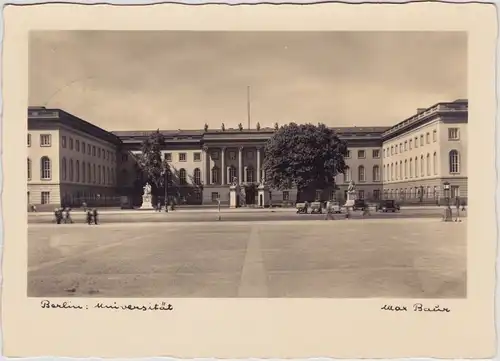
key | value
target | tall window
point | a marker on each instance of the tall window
(428, 164)
(83, 147)
(63, 141)
(434, 163)
(182, 176)
(454, 162)
(71, 170)
(411, 168)
(388, 174)
(84, 169)
(396, 175)
(392, 171)
(376, 194)
(29, 169)
(421, 140)
(361, 174)
(434, 136)
(406, 169)
(249, 175)
(70, 143)
(45, 198)
(422, 173)
(376, 173)
(77, 145)
(77, 169)
(416, 167)
(197, 176)
(93, 174)
(232, 174)
(99, 174)
(64, 169)
(428, 138)
(410, 143)
(453, 134)
(89, 173)
(384, 174)
(45, 168)
(400, 169)
(347, 175)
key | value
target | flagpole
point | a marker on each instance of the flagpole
(248, 105)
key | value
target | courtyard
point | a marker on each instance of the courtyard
(396, 258)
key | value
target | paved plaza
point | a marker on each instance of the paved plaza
(397, 258)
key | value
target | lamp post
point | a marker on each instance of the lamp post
(165, 186)
(447, 213)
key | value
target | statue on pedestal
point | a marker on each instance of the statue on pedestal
(146, 197)
(351, 194)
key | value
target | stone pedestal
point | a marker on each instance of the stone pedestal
(234, 196)
(263, 196)
(147, 202)
(351, 197)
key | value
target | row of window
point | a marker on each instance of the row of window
(87, 173)
(362, 154)
(399, 171)
(419, 192)
(453, 134)
(87, 149)
(45, 140)
(182, 157)
(362, 174)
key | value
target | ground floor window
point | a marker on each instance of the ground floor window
(376, 194)
(45, 198)
(286, 196)
(361, 194)
(332, 195)
(318, 195)
(197, 195)
(215, 196)
(455, 191)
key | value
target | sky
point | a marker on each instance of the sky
(141, 80)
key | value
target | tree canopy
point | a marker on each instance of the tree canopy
(304, 155)
(151, 162)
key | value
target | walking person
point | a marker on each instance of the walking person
(58, 215)
(463, 206)
(94, 213)
(89, 217)
(366, 211)
(67, 216)
(84, 205)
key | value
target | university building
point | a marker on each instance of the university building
(70, 160)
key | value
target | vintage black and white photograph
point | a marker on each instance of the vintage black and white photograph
(247, 164)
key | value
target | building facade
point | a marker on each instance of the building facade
(408, 162)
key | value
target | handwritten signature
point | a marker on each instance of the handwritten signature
(417, 307)
(161, 306)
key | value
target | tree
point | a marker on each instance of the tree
(303, 155)
(151, 163)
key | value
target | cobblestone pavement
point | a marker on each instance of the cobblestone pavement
(418, 258)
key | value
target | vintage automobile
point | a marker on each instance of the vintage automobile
(389, 205)
(316, 207)
(302, 208)
(359, 204)
(334, 207)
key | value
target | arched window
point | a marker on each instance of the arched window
(93, 174)
(215, 175)
(249, 175)
(63, 169)
(434, 163)
(71, 170)
(197, 176)
(406, 169)
(347, 175)
(411, 168)
(98, 174)
(84, 169)
(454, 162)
(400, 169)
(89, 173)
(428, 164)
(182, 176)
(422, 173)
(361, 174)
(376, 173)
(396, 172)
(416, 167)
(29, 169)
(45, 168)
(392, 171)
(232, 174)
(77, 169)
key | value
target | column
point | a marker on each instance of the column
(205, 164)
(240, 164)
(223, 165)
(229, 180)
(258, 166)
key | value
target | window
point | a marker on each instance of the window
(77, 169)
(416, 167)
(88, 149)
(361, 154)
(454, 162)
(428, 164)
(392, 150)
(64, 169)
(318, 195)
(98, 152)
(93, 174)
(397, 171)
(400, 147)
(348, 154)
(421, 140)
(215, 175)
(376, 194)
(99, 174)
(29, 140)
(347, 176)
(395, 149)
(168, 157)
(410, 143)
(406, 146)
(215, 155)
(416, 142)
(70, 143)
(361, 194)
(45, 140)
(45, 198)
(84, 173)
(376, 173)
(29, 169)
(388, 174)
(250, 175)
(63, 141)
(376, 153)
(197, 157)
(286, 195)
(422, 173)
(392, 172)
(400, 169)
(232, 174)
(434, 136)
(182, 176)
(215, 196)
(71, 170)
(197, 176)
(434, 163)
(182, 157)
(93, 150)
(45, 168)
(385, 156)
(83, 147)
(108, 155)
(453, 134)
(411, 168)
(89, 173)
(77, 145)
(361, 174)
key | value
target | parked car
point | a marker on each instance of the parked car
(389, 205)
(302, 208)
(316, 207)
(359, 204)
(334, 207)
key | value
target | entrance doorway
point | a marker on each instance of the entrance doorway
(250, 194)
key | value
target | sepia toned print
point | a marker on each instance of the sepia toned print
(247, 164)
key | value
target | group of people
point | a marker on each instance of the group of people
(63, 215)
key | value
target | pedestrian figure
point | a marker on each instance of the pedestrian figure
(366, 211)
(348, 213)
(463, 206)
(94, 213)
(59, 215)
(67, 216)
(89, 217)
(84, 205)
(33, 208)
(158, 206)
